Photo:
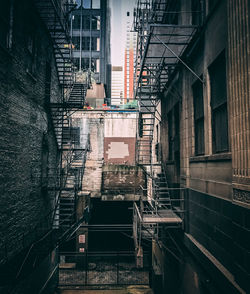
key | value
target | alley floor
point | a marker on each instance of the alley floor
(120, 290)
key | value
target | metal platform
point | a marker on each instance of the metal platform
(162, 216)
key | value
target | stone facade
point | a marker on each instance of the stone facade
(216, 175)
(112, 150)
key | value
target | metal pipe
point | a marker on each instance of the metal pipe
(178, 58)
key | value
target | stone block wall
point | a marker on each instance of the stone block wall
(223, 228)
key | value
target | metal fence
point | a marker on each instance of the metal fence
(81, 269)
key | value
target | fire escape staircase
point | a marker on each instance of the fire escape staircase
(162, 39)
(61, 221)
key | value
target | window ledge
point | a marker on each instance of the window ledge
(213, 157)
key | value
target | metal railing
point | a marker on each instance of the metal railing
(101, 268)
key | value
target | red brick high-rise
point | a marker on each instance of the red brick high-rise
(129, 57)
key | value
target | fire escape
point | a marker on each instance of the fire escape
(165, 28)
(61, 222)
(55, 15)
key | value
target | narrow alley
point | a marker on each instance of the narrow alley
(124, 147)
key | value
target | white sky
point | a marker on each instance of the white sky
(119, 17)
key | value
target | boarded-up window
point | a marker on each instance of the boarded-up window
(217, 72)
(198, 118)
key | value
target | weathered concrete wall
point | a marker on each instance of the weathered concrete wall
(91, 123)
(123, 181)
(112, 141)
(119, 138)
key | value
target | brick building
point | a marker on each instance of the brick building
(90, 31)
(30, 159)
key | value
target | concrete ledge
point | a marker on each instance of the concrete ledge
(217, 271)
(67, 265)
(212, 157)
(125, 197)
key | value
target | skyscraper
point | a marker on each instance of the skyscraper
(129, 59)
(90, 30)
(117, 85)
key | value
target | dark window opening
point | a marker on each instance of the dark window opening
(47, 83)
(171, 11)
(76, 22)
(86, 22)
(31, 49)
(44, 167)
(85, 64)
(211, 4)
(198, 118)
(5, 20)
(196, 12)
(217, 72)
(170, 136)
(140, 125)
(71, 135)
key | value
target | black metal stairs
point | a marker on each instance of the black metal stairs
(162, 39)
(77, 94)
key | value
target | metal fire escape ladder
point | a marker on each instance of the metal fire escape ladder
(55, 15)
(164, 32)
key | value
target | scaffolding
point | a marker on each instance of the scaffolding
(165, 29)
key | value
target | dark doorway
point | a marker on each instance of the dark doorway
(110, 213)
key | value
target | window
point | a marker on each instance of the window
(47, 83)
(85, 43)
(5, 24)
(71, 134)
(96, 4)
(85, 64)
(86, 4)
(173, 17)
(95, 22)
(196, 12)
(170, 136)
(76, 20)
(211, 4)
(76, 42)
(217, 73)
(97, 65)
(95, 43)
(31, 49)
(44, 169)
(198, 117)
